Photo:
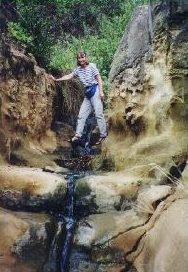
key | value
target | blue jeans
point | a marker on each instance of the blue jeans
(86, 108)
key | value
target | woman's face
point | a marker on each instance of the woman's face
(82, 60)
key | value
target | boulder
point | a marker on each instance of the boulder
(165, 245)
(146, 241)
(31, 189)
(26, 241)
(105, 193)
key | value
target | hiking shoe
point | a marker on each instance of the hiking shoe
(100, 141)
(75, 138)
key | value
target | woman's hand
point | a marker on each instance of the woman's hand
(52, 77)
(102, 96)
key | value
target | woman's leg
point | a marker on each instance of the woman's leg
(85, 110)
(98, 107)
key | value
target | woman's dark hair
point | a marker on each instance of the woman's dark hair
(82, 54)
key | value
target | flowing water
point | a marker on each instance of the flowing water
(70, 222)
(69, 216)
(67, 222)
(61, 245)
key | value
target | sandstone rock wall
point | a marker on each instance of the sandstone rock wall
(26, 99)
(148, 88)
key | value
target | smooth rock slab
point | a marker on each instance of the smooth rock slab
(105, 192)
(98, 229)
(96, 232)
(31, 189)
(93, 236)
(165, 247)
(25, 241)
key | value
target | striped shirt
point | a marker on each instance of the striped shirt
(87, 74)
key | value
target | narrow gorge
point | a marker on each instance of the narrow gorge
(121, 207)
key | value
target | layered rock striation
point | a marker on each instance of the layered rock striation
(148, 88)
(26, 100)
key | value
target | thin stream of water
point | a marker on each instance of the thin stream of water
(68, 216)
(70, 221)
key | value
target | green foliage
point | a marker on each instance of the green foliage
(54, 30)
(16, 31)
(82, 17)
(35, 18)
(100, 47)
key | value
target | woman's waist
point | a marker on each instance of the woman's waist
(90, 86)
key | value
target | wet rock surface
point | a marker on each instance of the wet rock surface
(106, 192)
(26, 240)
(31, 189)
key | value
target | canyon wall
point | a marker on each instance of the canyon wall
(26, 100)
(148, 89)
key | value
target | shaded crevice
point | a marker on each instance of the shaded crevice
(135, 247)
(175, 172)
(157, 202)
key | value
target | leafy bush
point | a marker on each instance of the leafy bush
(16, 31)
(36, 18)
(54, 30)
(80, 17)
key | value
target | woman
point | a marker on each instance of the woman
(91, 79)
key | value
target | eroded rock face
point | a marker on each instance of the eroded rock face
(148, 88)
(135, 226)
(128, 225)
(147, 238)
(26, 98)
(165, 245)
(26, 241)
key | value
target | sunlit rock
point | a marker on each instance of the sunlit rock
(31, 189)
(148, 89)
(98, 229)
(94, 234)
(26, 99)
(165, 245)
(104, 193)
(149, 240)
(26, 241)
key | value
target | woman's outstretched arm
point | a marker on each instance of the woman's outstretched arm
(65, 77)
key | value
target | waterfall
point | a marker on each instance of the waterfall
(52, 265)
(69, 222)
(66, 219)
